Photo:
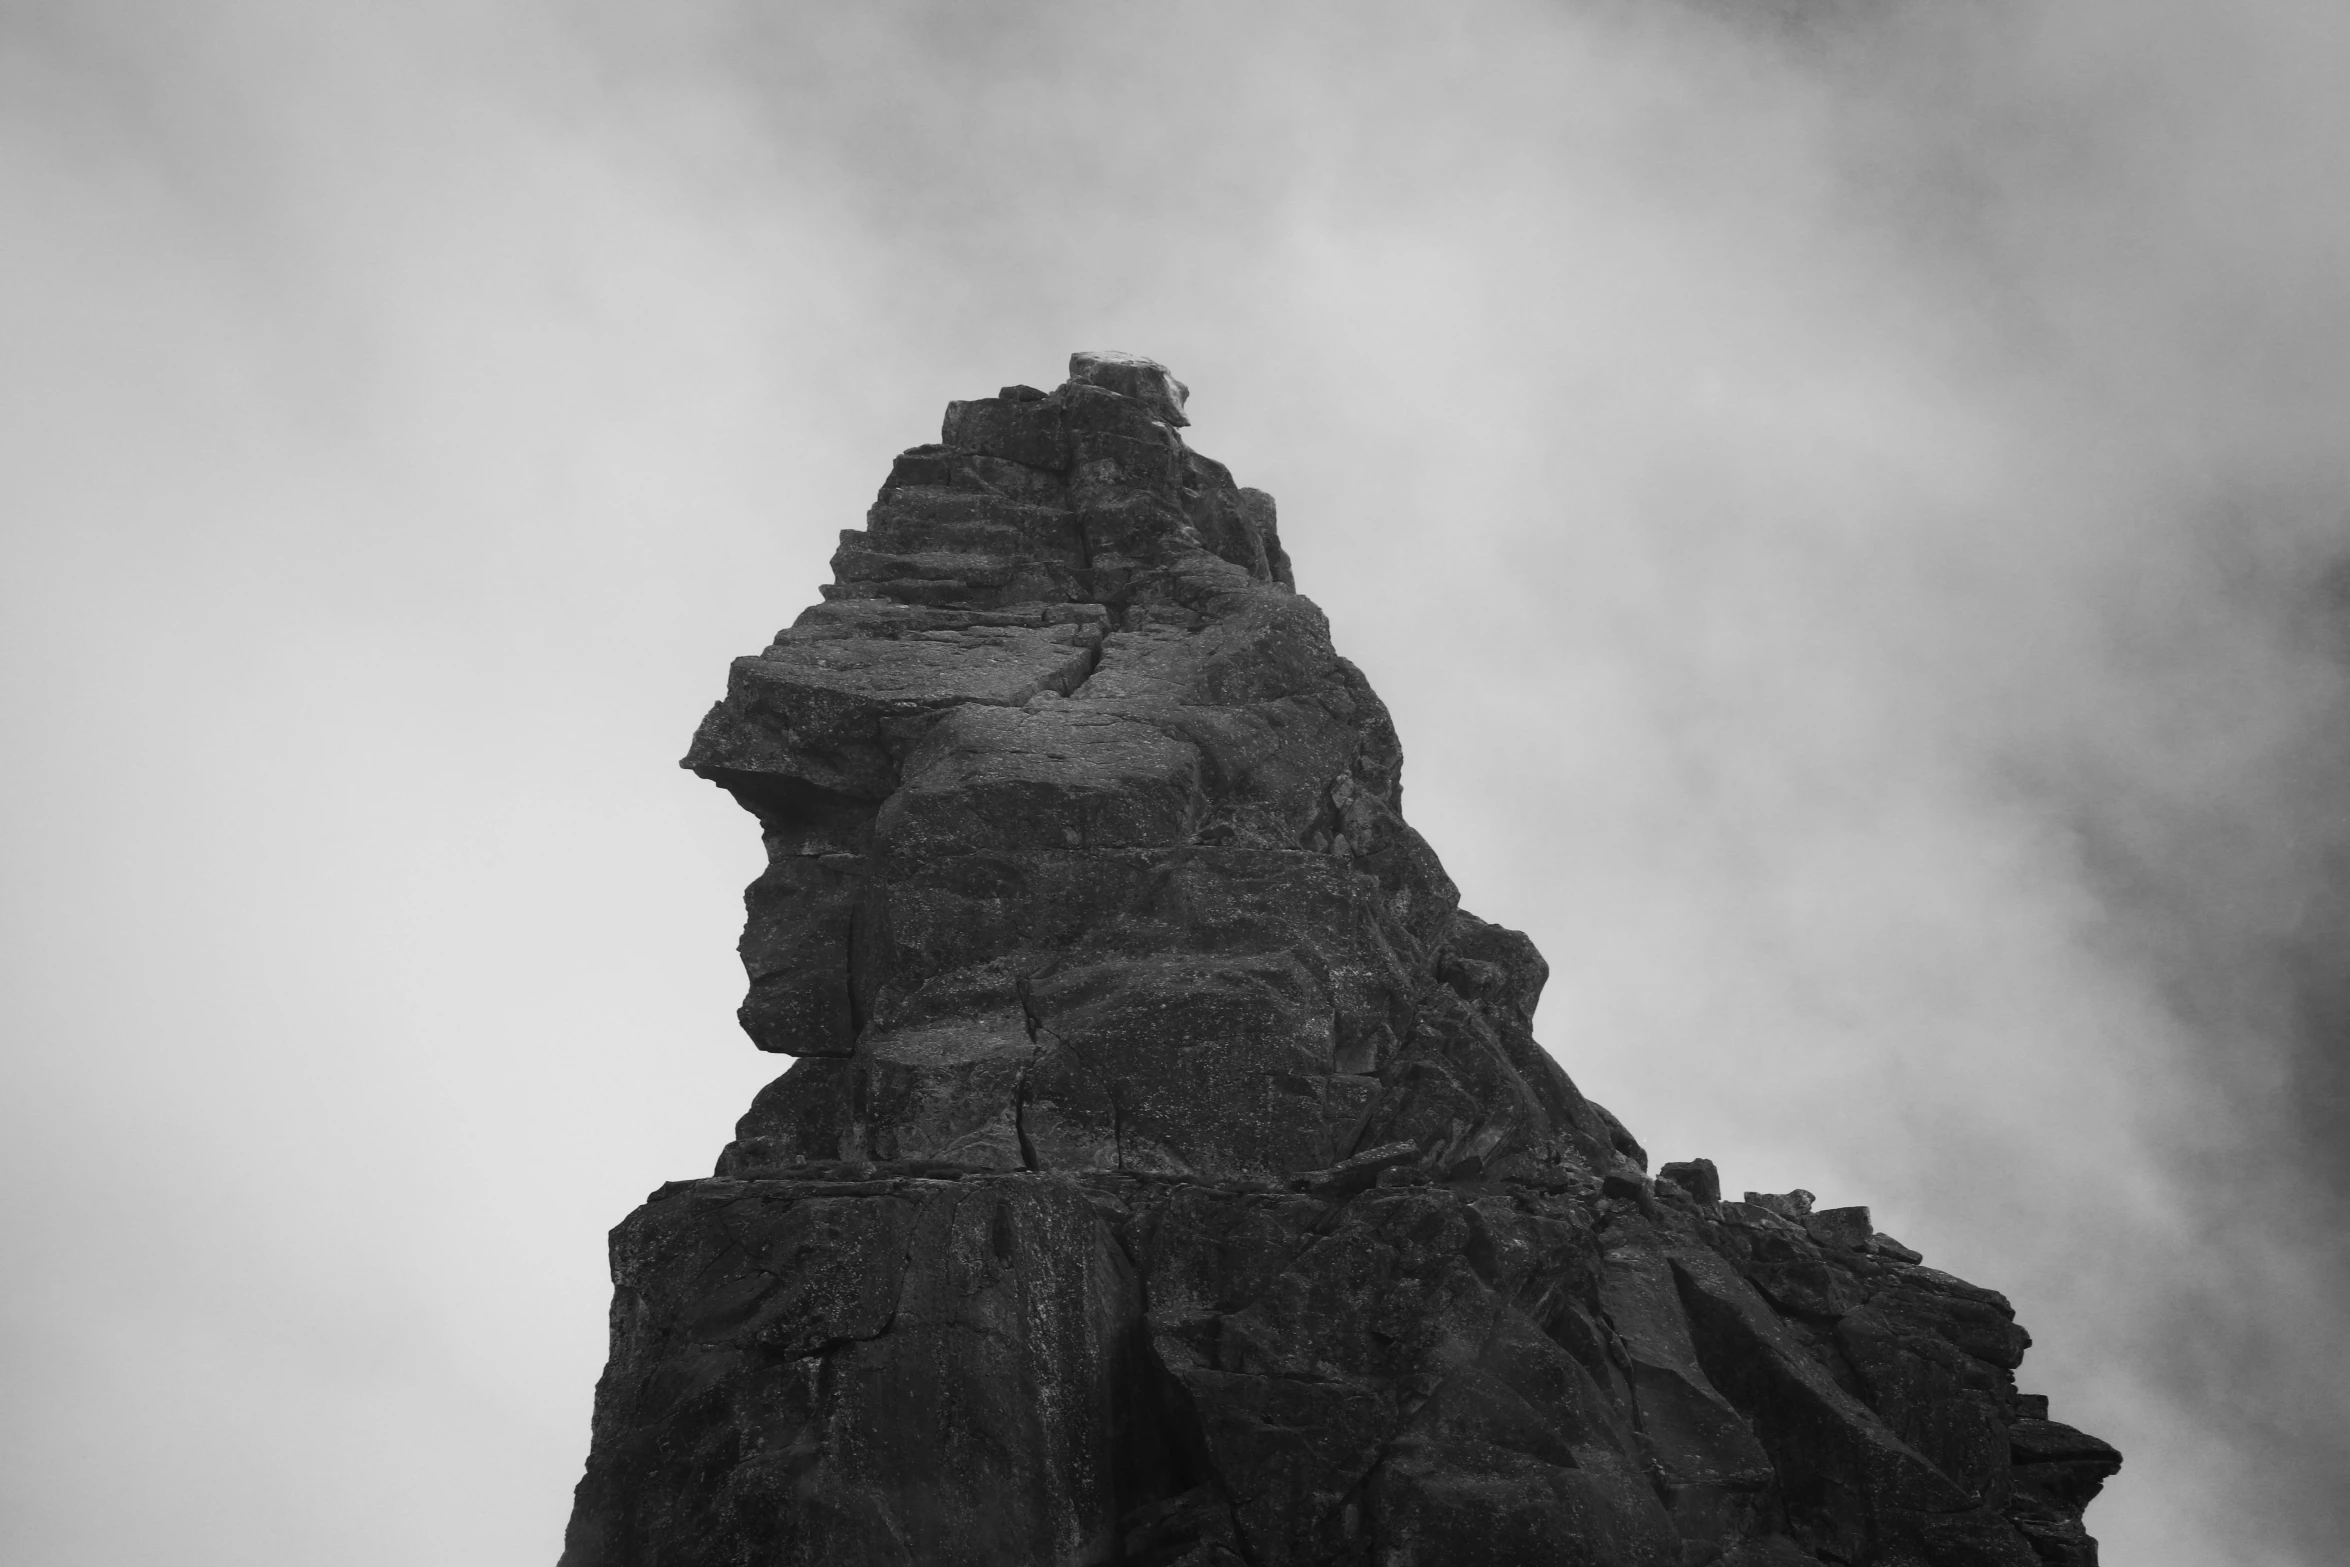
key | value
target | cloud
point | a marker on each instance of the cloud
(1843, 504)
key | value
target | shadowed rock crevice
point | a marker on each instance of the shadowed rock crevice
(1169, 1173)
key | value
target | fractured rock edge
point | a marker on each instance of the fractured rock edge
(1170, 1174)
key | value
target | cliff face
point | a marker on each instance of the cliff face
(1169, 1174)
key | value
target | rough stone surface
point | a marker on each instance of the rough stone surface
(1169, 1174)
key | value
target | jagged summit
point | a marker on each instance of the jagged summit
(1170, 1173)
(1146, 380)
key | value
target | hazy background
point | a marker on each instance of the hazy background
(1845, 502)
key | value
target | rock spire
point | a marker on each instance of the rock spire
(1169, 1174)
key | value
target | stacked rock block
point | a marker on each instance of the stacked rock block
(1169, 1174)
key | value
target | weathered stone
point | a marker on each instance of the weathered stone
(1145, 380)
(1697, 1177)
(1171, 1174)
(1708, 1465)
(2057, 1472)
(1788, 1205)
(795, 947)
(1845, 1227)
(939, 1375)
(1886, 1245)
(1030, 431)
(801, 1118)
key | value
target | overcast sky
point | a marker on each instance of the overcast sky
(1846, 501)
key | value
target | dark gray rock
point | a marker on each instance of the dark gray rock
(1697, 1177)
(1170, 1174)
(1847, 1228)
(1145, 380)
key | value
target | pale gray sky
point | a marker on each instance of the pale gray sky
(1846, 504)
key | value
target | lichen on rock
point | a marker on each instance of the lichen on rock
(1169, 1173)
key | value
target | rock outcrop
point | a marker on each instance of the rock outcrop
(1169, 1173)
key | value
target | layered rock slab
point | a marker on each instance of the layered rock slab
(1170, 1173)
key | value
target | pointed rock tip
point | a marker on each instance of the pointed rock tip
(1131, 375)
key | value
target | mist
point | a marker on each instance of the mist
(1847, 503)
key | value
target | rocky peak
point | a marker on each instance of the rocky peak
(1169, 1172)
(1145, 380)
